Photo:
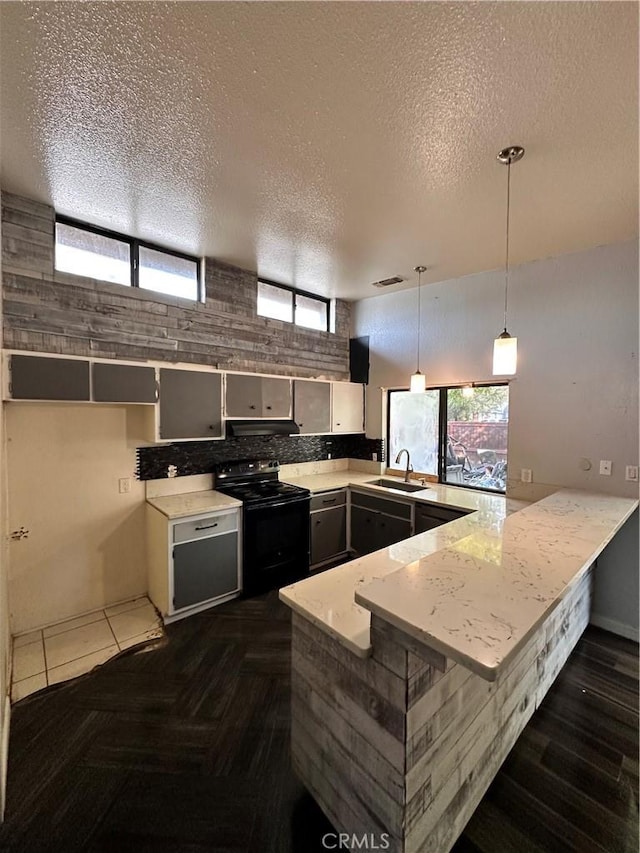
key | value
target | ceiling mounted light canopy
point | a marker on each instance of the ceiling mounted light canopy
(418, 380)
(505, 347)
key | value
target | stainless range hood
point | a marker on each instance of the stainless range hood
(239, 429)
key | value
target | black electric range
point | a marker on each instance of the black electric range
(275, 527)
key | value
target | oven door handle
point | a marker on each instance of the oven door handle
(278, 504)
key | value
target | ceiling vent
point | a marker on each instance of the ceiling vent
(387, 282)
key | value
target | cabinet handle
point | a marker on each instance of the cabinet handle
(207, 526)
(329, 500)
(212, 426)
(252, 407)
(269, 408)
(317, 521)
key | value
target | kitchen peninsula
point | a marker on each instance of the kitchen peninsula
(415, 668)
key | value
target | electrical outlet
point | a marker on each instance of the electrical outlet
(525, 475)
(605, 467)
(124, 485)
(631, 473)
(374, 456)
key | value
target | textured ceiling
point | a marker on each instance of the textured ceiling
(328, 145)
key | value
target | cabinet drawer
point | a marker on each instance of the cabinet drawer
(400, 510)
(327, 500)
(210, 525)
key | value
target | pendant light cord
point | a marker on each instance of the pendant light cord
(418, 347)
(506, 260)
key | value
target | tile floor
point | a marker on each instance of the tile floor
(74, 647)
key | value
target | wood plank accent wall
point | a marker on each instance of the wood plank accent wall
(404, 744)
(48, 311)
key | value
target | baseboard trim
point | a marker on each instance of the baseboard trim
(4, 755)
(615, 627)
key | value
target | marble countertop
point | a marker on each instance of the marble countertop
(433, 493)
(193, 503)
(475, 588)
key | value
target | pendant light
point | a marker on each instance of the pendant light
(418, 380)
(505, 347)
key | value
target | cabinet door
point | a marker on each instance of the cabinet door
(243, 398)
(328, 534)
(390, 530)
(429, 516)
(34, 378)
(124, 383)
(424, 521)
(347, 411)
(204, 569)
(276, 398)
(190, 404)
(312, 406)
(363, 530)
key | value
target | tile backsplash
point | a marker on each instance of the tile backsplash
(201, 457)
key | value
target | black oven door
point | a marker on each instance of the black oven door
(275, 544)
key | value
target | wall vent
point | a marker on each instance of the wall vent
(387, 282)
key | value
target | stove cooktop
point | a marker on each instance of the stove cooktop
(264, 492)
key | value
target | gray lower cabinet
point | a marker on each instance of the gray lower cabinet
(190, 404)
(41, 378)
(312, 406)
(257, 397)
(204, 569)
(390, 530)
(328, 523)
(428, 516)
(377, 523)
(123, 383)
(193, 562)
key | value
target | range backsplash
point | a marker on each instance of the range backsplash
(201, 457)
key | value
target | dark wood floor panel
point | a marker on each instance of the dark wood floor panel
(184, 747)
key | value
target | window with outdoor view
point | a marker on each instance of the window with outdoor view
(475, 431)
(293, 306)
(460, 434)
(83, 249)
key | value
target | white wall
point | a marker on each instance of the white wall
(576, 390)
(5, 636)
(86, 541)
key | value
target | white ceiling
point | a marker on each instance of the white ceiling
(328, 145)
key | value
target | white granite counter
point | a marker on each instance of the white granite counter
(193, 503)
(433, 493)
(473, 589)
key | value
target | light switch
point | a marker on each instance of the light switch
(605, 467)
(631, 473)
(525, 475)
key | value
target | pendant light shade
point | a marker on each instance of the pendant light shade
(418, 380)
(505, 347)
(505, 355)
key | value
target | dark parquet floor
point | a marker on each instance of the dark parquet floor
(185, 747)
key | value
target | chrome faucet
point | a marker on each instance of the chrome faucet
(409, 468)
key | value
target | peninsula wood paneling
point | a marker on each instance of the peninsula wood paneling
(48, 311)
(406, 742)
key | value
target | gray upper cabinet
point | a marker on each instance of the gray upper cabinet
(243, 398)
(276, 398)
(312, 406)
(123, 383)
(257, 397)
(35, 378)
(190, 404)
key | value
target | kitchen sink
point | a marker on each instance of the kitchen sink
(398, 484)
